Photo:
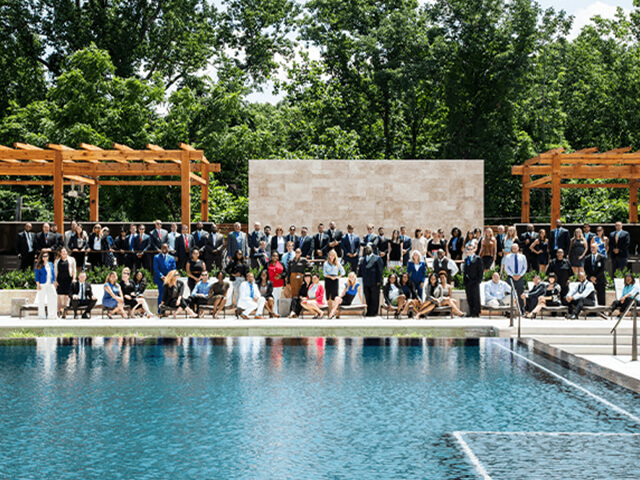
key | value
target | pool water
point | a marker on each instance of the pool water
(310, 408)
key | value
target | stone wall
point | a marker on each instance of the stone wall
(416, 193)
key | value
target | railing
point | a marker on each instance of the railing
(634, 332)
(515, 302)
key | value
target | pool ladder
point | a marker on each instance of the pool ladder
(634, 331)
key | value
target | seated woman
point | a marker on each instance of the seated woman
(315, 297)
(351, 289)
(629, 290)
(266, 290)
(411, 294)
(172, 291)
(237, 270)
(303, 291)
(113, 299)
(393, 296)
(434, 292)
(551, 297)
(218, 294)
(447, 299)
(133, 290)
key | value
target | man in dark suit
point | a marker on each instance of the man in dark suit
(320, 244)
(588, 234)
(406, 245)
(237, 240)
(213, 248)
(292, 237)
(159, 236)
(26, 247)
(255, 238)
(563, 271)
(619, 241)
(351, 248)
(200, 239)
(335, 239)
(370, 239)
(163, 263)
(58, 239)
(306, 244)
(381, 245)
(81, 296)
(131, 243)
(44, 240)
(594, 268)
(143, 259)
(473, 274)
(370, 270)
(184, 246)
(526, 239)
(500, 245)
(559, 240)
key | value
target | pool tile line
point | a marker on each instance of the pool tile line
(551, 434)
(575, 385)
(473, 458)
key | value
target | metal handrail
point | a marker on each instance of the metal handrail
(634, 333)
(514, 299)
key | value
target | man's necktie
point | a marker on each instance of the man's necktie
(593, 260)
(82, 291)
(515, 260)
(186, 243)
(581, 288)
(251, 287)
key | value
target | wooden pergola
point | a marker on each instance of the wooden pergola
(554, 166)
(85, 166)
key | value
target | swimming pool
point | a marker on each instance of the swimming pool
(310, 408)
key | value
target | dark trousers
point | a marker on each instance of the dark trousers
(601, 293)
(472, 290)
(532, 262)
(621, 305)
(27, 260)
(85, 304)
(372, 297)
(519, 286)
(564, 291)
(576, 305)
(159, 285)
(618, 262)
(130, 260)
(353, 263)
(95, 259)
(197, 301)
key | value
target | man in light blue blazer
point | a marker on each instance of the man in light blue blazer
(237, 240)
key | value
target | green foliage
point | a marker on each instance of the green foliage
(18, 280)
(98, 275)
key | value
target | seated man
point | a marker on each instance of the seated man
(249, 298)
(444, 264)
(81, 296)
(582, 295)
(496, 292)
(531, 297)
(200, 293)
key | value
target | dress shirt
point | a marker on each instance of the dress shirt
(332, 270)
(287, 257)
(171, 240)
(510, 264)
(582, 290)
(97, 243)
(497, 291)
(201, 288)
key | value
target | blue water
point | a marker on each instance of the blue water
(255, 408)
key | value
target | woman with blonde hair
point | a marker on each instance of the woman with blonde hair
(332, 270)
(64, 268)
(417, 270)
(577, 251)
(510, 238)
(488, 249)
(172, 292)
(113, 299)
(351, 290)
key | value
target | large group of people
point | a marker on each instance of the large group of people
(285, 263)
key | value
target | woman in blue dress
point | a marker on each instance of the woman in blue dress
(417, 271)
(113, 299)
(349, 293)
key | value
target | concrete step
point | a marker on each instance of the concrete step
(593, 349)
(582, 339)
(573, 328)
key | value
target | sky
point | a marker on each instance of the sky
(582, 10)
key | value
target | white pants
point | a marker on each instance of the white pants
(277, 293)
(495, 303)
(47, 296)
(257, 306)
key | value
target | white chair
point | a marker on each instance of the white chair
(488, 308)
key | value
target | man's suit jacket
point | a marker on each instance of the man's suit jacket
(254, 241)
(161, 266)
(75, 290)
(526, 247)
(214, 243)
(306, 246)
(371, 239)
(370, 270)
(381, 245)
(232, 244)
(621, 244)
(335, 235)
(561, 242)
(473, 269)
(596, 269)
(200, 238)
(22, 246)
(406, 245)
(292, 238)
(52, 241)
(320, 242)
(158, 239)
(142, 242)
(132, 242)
(182, 250)
(347, 247)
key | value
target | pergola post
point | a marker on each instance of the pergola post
(204, 194)
(94, 197)
(526, 194)
(185, 190)
(555, 189)
(633, 200)
(58, 191)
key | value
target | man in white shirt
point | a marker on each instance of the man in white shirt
(581, 295)
(515, 265)
(249, 298)
(171, 238)
(496, 292)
